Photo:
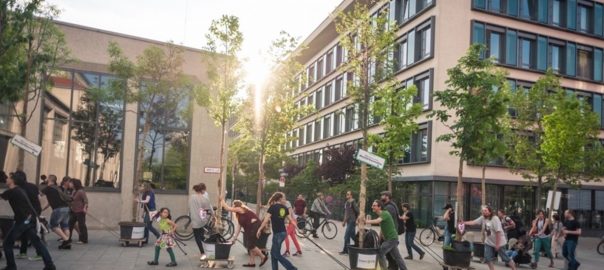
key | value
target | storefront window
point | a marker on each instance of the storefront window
(580, 201)
(519, 200)
(492, 198)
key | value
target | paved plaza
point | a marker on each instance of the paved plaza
(104, 252)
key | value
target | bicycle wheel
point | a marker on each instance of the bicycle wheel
(601, 248)
(426, 237)
(184, 230)
(228, 229)
(329, 230)
(304, 227)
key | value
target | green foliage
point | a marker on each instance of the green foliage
(307, 182)
(569, 139)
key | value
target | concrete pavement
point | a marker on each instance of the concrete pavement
(104, 252)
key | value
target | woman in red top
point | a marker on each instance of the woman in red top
(247, 220)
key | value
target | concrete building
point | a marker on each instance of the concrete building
(525, 37)
(65, 123)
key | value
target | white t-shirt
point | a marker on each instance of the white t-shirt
(492, 226)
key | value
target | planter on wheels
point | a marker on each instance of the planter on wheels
(132, 232)
(217, 251)
(459, 255)
(362, 258)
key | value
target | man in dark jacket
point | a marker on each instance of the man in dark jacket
(351, 213)
(33, 194)
(25, 222)
(391, 207)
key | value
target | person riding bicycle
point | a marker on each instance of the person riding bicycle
(318, 210)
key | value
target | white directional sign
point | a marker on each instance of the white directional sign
(556, 198)
(211, 170)
(27, 145)
(371, 159)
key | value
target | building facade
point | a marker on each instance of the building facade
(525, 37)
(96, 140)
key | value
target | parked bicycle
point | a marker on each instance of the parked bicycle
(600, 247)
(328, 228)
(428, 235)
(184, 229)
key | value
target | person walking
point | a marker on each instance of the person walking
(390, 206)
(556, 235)
(25, 217)
(410, 229)
(147, 201)
(541, 231)
(449, 217)
(276, 214)
(166, 240)
(389, 234)
(59, 218)
(249, 222)
(571, 232)
(300, 206)
(495, 238)
(351, 213)
(318, 210)
(200, 211)
(79, 207)
(33, 194)
(507, 223)
(291, 232)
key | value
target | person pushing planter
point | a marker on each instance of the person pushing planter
(389, 235)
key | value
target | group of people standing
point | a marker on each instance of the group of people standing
(69, 205)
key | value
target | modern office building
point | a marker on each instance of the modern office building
(97, 141)
(524, 36)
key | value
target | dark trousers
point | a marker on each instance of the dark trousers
(276, 256)
(149, 227)
(409, 237)
(24, 245)
(349, 234)
(316, 218)
(568, 251)
(198, 234)
(80, 218)
(19, 229)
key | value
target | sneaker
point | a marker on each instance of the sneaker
(171, 264)
(152, 263)
(408, 258)
(343, 252)
(81, 242)
(286, 254)
(35, 258)
(299, 253)
(421, 256)
(21, 256)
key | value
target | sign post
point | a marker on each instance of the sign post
(370, 158)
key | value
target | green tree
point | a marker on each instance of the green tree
(398, 118)
(529, 107)
(466, 112)
(570, 142)
(368, 41)
(32, 63)
(155, 82)
(224, 42)
(15, 18)
(275, 113)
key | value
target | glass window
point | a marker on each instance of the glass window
(339, 55)
(301, 136)
(349, 119)
(584, 66)
(585, 18)
(495, 46)
(419, 146)
(511, 39)
(339, 89)
(556, 12)
(327, 127)
(554, 57)
(327, 98)
(494, 5)
(320, 69)
(329, 62)
(571, 59)
(309, 135)
(528, 9)
(426, 43)
(519, 200)
(336, 123)
(411, 45)
(423, 88)
(318, 130)
(526, 56)
(311, 74)
(319, 99)
(403, 54)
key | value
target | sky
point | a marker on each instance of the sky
(186, 21)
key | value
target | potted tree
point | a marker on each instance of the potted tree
(473, 107)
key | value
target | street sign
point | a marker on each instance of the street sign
(556, 200)
(370, 158)
(27, 145)
(211, 170)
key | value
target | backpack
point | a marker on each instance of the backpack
(400, 223)
(519, 230)
(372, 239)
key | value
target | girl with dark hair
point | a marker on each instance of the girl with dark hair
(277, 213)
(250, 223)
(556, 235)
(79, 207)
(541, 231)
(147, 202)
(166, 240)
(200, 211)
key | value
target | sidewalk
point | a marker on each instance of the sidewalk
(104, 252)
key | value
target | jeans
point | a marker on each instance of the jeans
(60, 218)
(316, 218)
(546, 244)
(198, 234)
(409, 237)
(80, 218)
(490, 254)
(391, 247)
(349, 234)
(276, 256)
(24, 244)
(149, 227)
(568, 251)
(447, 237)
(29, 230)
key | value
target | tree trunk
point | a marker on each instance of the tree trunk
(139, 165)
(483, 198)
(260, 184)
(233, 170)
(220, 182)
(539, 188)
(459, 197)
(390, 177)
(362, 203)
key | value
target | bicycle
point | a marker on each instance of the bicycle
(328, 228)
(428, 235)
(184, 230)
(303, 226)
(600, 247)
